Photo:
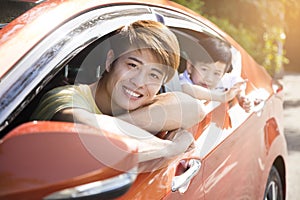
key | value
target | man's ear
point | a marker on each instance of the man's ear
(109, 60)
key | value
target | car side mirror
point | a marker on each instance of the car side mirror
(42, 158)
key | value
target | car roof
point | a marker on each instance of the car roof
(47, 16)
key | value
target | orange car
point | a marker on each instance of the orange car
(52, 44)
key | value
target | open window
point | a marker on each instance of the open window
(71, 53)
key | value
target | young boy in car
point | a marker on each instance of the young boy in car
(208, 76)
(143, 56)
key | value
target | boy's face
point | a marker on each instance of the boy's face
(134, 80)
(206, 75)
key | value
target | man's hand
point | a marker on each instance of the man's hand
(182, 140)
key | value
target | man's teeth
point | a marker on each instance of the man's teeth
(130, 92)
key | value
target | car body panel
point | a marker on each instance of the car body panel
(240, 159)
(158, 183)
(235, 158)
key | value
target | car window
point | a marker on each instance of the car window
(61, 54)
(222, 119)
(10, 10)
(191, 49)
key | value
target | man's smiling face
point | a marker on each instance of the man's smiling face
(135, 79)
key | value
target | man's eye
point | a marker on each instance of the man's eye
(132, 65)
(154, 76)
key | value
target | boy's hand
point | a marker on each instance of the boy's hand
(233, 92)
(245, 103)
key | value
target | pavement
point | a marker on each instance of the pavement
(291, 83)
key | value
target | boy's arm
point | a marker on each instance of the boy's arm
(202, 93)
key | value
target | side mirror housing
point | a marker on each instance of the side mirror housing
(41, 158)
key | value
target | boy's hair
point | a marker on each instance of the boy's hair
(215, 50)
(152, 35)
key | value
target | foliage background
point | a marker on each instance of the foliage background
(261, 27)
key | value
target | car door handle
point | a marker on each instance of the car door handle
(180, 183)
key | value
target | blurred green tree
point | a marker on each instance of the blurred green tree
(259, 26)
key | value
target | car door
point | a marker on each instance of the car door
(231, 142)
(234, 146)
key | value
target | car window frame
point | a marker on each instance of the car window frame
(39, 66)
